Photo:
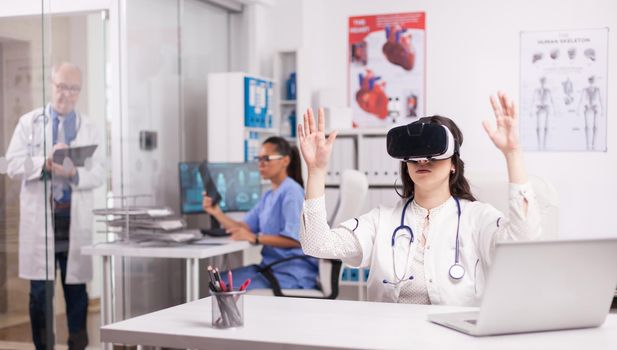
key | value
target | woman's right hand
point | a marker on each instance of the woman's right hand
(315, 147)
(207, 204)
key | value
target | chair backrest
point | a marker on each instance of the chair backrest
(353, 193)
(493, 188)
(352, 196)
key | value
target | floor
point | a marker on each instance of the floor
(15, 331)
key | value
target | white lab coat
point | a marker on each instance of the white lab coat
(35, 209)
(481, 226)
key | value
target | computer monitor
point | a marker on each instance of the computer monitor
(239, 185)
(191, 188)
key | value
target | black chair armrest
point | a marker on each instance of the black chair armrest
(267, 272)
(269, 266)
(337, 265)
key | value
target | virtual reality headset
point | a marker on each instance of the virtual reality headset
(421, 141)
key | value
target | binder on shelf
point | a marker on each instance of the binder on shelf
(333, 164)
(354, 275)
(345, 274)
(376, 156)
(366, 273)
(395, 166)
(346, 156)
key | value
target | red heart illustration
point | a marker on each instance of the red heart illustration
(398, 48)
(371, 96)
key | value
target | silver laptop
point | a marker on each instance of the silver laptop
(542, 286)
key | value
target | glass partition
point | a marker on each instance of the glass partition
(98, 105)
(169, 54)
(53, 98)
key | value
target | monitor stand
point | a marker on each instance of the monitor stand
(215, 229)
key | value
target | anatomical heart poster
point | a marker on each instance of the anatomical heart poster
(387, 69)
(564, 80)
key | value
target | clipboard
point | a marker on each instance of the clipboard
(209, 185)
(77, 155)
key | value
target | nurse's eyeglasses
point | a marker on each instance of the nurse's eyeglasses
(268, 158)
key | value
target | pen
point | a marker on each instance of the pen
(245, 284)
(230, 281)
(211, 273)
(223, 287)
(217, 276)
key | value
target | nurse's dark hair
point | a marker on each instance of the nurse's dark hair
(459, 187)
(294, 169)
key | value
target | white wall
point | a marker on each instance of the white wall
(473, 50)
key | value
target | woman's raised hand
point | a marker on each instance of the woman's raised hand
(315, 147)
(505, 135)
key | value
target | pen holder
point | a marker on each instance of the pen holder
(227, 309)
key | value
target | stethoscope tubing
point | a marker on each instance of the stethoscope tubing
(45, 115)
(456, 271)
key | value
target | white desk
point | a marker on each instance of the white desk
(289, 323)
(190, 252)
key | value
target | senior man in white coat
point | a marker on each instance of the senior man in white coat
(56, 202)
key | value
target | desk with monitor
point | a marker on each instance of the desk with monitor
(239, 186)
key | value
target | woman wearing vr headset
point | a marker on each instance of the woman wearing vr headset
(435, 245)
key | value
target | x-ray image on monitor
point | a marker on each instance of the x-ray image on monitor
(191, 188)
(239, 185)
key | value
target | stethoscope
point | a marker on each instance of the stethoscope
(456, 271)
(33, 140)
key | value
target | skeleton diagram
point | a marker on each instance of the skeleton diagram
(568, 90)
(542, 107)
(591, 105)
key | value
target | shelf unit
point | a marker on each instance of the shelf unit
(291, 97)
(364, 150)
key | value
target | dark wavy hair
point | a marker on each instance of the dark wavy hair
(294, 169)
(459, 187)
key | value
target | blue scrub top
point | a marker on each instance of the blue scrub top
(278, 213)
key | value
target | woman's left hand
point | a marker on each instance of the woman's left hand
(241, 233)
(505, 136)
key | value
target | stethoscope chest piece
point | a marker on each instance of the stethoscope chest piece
(457, 271)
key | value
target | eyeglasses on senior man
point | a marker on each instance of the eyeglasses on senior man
(71, 89)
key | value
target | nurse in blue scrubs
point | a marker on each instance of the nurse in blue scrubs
(274, 222)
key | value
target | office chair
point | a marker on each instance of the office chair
(493, 188)
(351, 200)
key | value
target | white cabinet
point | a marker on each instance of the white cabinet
(240, 115)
